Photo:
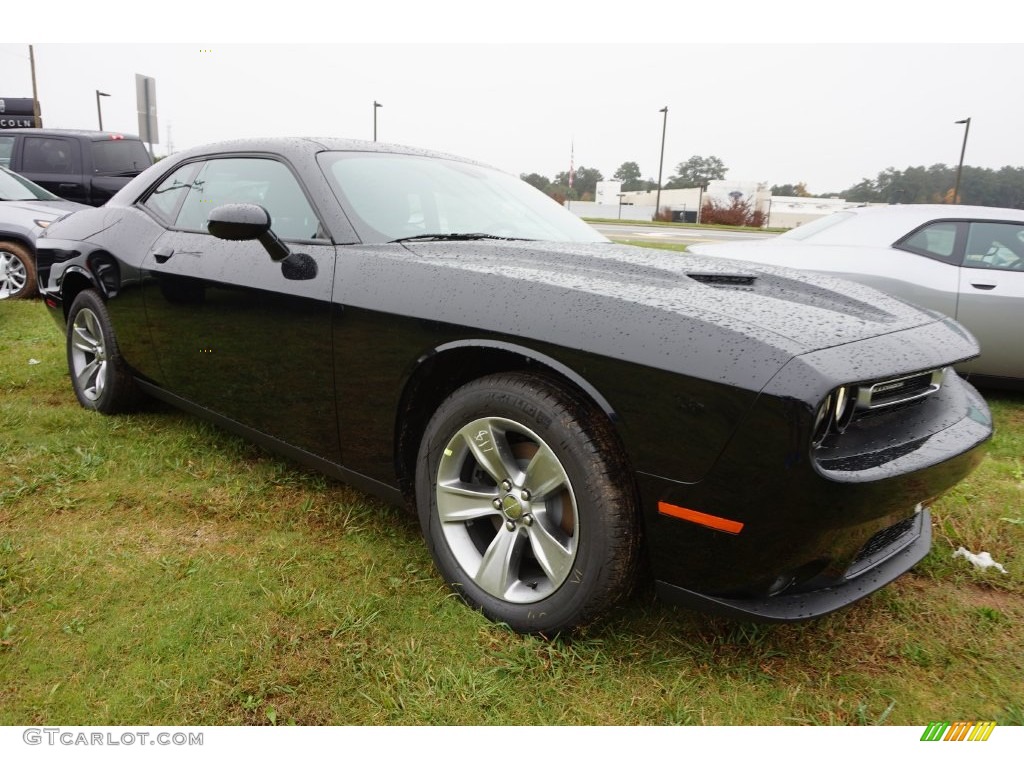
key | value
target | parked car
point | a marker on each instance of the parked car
(964, 261)
(435, 331)
(86, 167)
(26, 209)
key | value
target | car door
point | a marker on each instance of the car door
(923, 267)
(55, 163)
(234, 331)
(991, 303)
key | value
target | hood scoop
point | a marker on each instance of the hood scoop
(723, 279)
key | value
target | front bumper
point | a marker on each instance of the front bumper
(799, 606)
(814, 539)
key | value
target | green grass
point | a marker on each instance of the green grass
(154, 569)
(653, 244)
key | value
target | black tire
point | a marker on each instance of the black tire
(554, 557)
(17, 271)
(99, 375)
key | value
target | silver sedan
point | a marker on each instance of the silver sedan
(964, 261)
(26, 209)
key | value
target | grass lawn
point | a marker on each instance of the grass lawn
(653, 244)
(154, 569)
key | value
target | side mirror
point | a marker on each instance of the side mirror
(299, 266)
(245, 221)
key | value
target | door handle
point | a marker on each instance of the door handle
(162, 257)
(982, 286)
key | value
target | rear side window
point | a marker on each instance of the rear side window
(6, 149)
(119, 156)
(995, 245)
(937, 240)
(49, 155)
(165, 199)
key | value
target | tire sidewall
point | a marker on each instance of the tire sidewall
(24, 256)
(114, 397)
(583, 594)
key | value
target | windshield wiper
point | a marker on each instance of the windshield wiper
(455, 236)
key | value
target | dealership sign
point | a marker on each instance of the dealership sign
(145, 97)
(16, 113)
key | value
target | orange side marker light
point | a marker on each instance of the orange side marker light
(700, 518)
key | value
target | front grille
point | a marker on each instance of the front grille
(884, 544)
(882, 394)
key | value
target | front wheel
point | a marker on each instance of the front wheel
(17, 272)
(100, 377)
(526, 504)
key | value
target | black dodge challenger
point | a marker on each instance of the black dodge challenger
(555, 406)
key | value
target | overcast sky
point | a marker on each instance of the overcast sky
(828, 114)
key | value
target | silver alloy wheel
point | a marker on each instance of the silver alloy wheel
(88, 354)
(507, 510)
(12, 274)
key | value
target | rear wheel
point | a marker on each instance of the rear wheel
(17, 271)
(100, 377)
(526, 505)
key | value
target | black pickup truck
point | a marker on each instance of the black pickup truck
(86, 167)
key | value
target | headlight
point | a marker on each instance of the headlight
(822, 421)
(44, 223)
(846, 403)
(834, 414)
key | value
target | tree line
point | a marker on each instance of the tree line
(697, 171)
(1003, 188)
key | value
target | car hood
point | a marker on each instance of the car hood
(740, 247)
(34, 209)
(788, 309)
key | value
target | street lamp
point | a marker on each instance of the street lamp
(661, 162)
(376, 105)
(99, 112)
(966, 123)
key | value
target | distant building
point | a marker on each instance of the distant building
(608, 192)
(789, 212)
(780, 212)
(683, 202)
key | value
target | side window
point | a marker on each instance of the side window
(6, 149)
(46, 155)
(995, 245)
(165, 199)
(936, 241)
(260, 181)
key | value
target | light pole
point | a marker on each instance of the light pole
(966, 123)
(37, 121)
(661, 162)
(99, 112)
(376, 105)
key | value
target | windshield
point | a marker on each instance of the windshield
(820, 225)
(14, 187)
(392, 197)
(120, 156)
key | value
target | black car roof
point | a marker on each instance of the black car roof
(286, 145)
(91, 135)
